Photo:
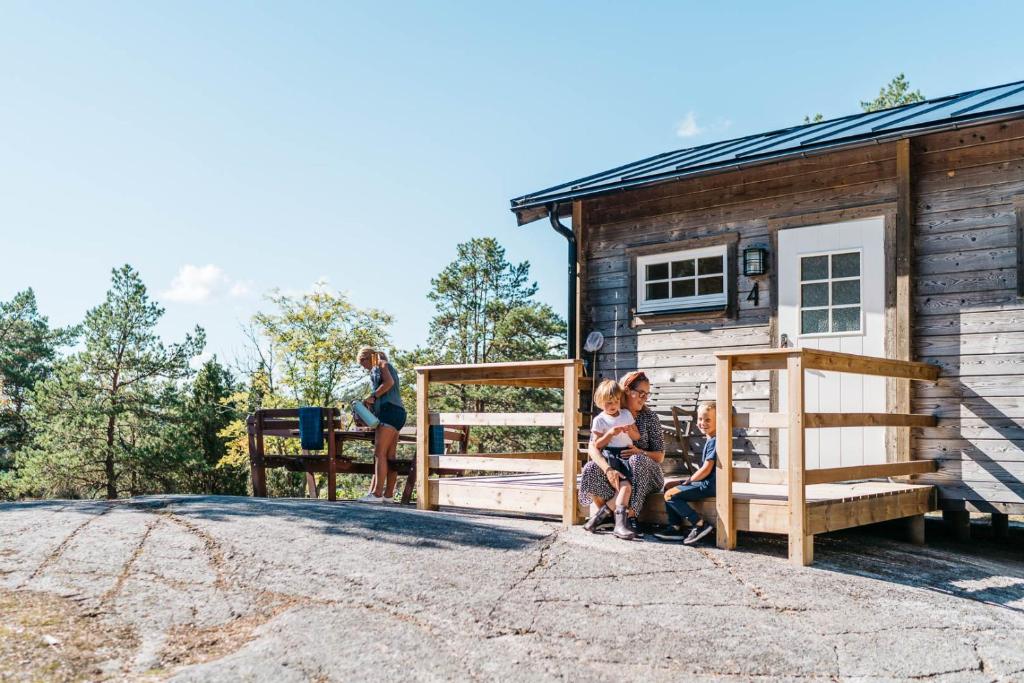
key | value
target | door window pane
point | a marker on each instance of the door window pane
(657, 271)
(814, 268)
(814, 295)
(846, 265)
(710, 285)
(814, 322)
(846, 319)
(709, 265)
(831, 284)
(682, 288)
(845, 292)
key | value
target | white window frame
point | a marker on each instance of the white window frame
(801, 282)
(687, 302)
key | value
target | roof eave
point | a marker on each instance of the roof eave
(528, 210)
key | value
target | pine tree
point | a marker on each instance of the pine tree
(209, 410)
(103, 422)
(487, 313)
(28, 348)
(895, 93)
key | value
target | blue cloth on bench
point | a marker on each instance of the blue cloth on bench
(311, 429)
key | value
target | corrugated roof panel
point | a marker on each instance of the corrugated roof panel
(860, 125)
(796, 138)
(1005, 94)
(936, 114)
(683, 157)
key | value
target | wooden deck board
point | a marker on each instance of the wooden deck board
(758, 507)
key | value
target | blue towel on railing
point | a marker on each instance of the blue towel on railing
(311, 429)
(435, 445)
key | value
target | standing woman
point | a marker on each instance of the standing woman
(645, 458)
(386, 403)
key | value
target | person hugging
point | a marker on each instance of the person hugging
(700, 484)
(612, 432)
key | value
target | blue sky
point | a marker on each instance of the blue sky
(225, 149)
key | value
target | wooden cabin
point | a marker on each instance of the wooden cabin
(895, 233)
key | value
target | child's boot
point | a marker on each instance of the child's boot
(598, 519)
(622, 529)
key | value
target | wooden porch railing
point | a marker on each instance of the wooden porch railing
(796, 419)
(555, 374)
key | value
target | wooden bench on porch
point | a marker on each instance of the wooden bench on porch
(284, 423)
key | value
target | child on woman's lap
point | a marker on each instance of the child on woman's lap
(612, 432)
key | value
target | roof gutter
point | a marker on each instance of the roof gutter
(570, 341)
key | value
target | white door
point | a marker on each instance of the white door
(832, 297)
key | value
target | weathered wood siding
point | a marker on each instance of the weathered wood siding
(679, 348)
(968, 317)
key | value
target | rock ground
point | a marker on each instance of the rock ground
(218, 589)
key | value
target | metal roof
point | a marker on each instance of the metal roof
(952, 111)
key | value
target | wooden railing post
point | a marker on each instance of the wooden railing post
(725, 527)
(423, 501)
(801, 544)
(260, 481)
(570, 454)
(332, 458)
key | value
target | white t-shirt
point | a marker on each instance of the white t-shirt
(605, 422)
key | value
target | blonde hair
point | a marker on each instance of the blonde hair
(373, 354)
(607, 391)
(707, 405)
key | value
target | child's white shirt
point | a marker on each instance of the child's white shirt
(604, 422)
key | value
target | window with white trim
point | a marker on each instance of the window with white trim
(830, 294)
(694, 278)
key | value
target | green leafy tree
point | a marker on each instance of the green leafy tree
(307, 347)
(487, 313)
(894, 94)
(303, 352)
(103, 422)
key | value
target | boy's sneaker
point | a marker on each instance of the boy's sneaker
(635, 526)
(697, 533)
(670, 533)
(370, 498)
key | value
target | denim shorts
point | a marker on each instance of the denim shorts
(393, 415)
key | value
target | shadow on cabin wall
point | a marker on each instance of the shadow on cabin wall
(964, 451)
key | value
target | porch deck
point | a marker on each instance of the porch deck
(761, 507)
(795, 501)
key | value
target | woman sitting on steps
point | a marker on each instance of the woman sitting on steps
(644, 457)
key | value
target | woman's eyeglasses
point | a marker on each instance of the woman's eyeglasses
(640, 394)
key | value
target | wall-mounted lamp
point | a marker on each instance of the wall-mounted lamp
(755, 261)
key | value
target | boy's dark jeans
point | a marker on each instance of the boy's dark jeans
(677, 507)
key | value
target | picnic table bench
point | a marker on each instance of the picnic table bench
(284, 423)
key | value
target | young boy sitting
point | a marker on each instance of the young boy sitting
(613, 431)
(700, 484)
